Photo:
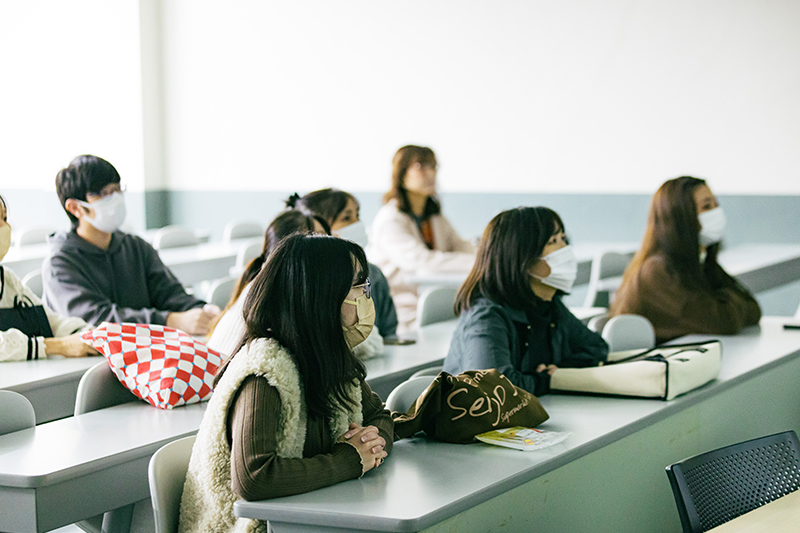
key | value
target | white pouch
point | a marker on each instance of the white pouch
(663, 372)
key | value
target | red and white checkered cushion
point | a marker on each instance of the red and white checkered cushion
(163, 366)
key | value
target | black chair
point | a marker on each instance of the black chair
(715, 487)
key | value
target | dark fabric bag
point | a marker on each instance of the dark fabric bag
(456, 408)
(28, 318)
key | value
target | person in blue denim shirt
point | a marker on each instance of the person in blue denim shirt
(511, 314)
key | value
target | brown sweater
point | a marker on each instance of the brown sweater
(657, 294)
(257, 473)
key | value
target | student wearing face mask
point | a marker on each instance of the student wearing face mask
(674, 279)
(511, 314)
(340, 210)
(28, 329)
(291, 410)
(101, 274)
(410, 234)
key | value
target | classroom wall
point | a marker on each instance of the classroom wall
(518, 98)
(214, 110)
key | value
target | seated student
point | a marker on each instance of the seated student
(229, 331)
(340, 210)
(410, 234)
(104, 275)
(291, 411)
(674, 279)
(511, 314)
(28, 329)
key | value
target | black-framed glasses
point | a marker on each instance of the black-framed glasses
(367, 287)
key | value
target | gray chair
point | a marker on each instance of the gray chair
(99, 388)
(597, 323)
(33, 235)
(436, 305)
(430, 371)
(167, 474)
(174, 237)
(240, 229)
(33, 280)
(404, 395)
(16, 412)
(220, 290)
(629, 332)
(717, 486)
(605, 278)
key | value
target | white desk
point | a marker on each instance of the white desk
(50, 384)
(213, 260)
(64, 471)
(778, 516)
(761, 267)
(396, 365)
(608, 476)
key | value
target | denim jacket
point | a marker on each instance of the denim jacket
(490, 335)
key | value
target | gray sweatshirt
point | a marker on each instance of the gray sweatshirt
(126, 283)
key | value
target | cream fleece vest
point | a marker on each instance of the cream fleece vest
(207, 503)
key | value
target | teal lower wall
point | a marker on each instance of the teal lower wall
(588, 217)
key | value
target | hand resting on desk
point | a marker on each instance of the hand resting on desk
(368, 443)
(69, 346)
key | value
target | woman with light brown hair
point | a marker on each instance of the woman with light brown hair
(409, 234)
(674, 280)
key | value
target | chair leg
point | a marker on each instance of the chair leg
(91, 525)
(118, 520)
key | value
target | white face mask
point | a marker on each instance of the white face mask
(109, 212)
(356, 232)
(563, 269)
(5, 240)
(358, 332)
(712, 226)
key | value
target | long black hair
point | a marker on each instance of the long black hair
(512, 242)
(296, 299)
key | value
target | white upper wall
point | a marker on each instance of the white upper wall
(70, 84)
(520, 95)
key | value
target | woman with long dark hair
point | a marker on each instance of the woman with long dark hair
(410, 235)
(291, 411)
(340, 210)
(511, 314)
(674, 279)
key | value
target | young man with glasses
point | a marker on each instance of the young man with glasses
(101, 274)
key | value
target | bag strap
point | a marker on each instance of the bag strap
(685, 347)
(2, 281)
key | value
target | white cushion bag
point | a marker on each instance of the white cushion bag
(663, 372)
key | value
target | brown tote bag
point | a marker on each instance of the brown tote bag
(456, 408)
